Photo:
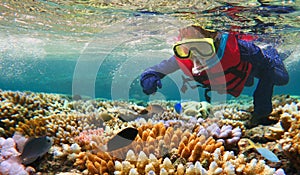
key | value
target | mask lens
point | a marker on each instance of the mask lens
(182, 51)
(204, 48)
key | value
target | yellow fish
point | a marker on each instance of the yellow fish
(266, 153)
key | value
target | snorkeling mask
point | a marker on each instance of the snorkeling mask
(201, 51)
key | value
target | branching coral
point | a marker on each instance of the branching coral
(225, 134)
(67, 126)
(21, 106)
(32, 127)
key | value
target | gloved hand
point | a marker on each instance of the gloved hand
(150, 80)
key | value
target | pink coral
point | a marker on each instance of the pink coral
(225, 134)
(10, 162)
(20, 140)
(12, 166)
(85, 137)
(8, 148)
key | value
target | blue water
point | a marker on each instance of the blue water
(106, 60)
(56, 76)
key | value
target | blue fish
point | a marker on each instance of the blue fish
(178, 108)
(34, 148)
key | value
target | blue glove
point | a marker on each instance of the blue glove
(150, 80)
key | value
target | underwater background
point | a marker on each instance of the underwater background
(87, 47)
(69, 70)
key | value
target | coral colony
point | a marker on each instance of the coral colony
(163, 137)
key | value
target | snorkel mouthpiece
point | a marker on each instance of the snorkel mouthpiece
(196, 70)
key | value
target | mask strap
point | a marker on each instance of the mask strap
(222, 45)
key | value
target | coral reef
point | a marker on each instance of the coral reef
(185, 150)
(203, 139)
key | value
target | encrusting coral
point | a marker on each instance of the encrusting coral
(195, 109)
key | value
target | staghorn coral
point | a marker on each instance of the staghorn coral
(221, 162)
(152, 139)
(100, 163)
(33, 127)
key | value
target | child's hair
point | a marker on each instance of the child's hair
(194, 31)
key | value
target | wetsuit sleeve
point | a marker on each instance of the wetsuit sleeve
(253, 54)
(165, 67)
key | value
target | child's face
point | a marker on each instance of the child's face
(198, 61)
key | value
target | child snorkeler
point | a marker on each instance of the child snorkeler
(218, 59)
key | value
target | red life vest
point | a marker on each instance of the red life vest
(227, 76)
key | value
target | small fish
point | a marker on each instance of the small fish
(127, 117)
(105, 116)
(122, 139)
(35, 148)
(266, 153)
(178, 108)
(155, 109)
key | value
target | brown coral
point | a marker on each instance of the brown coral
(19, 107)
(33, 127)
(100, 163)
